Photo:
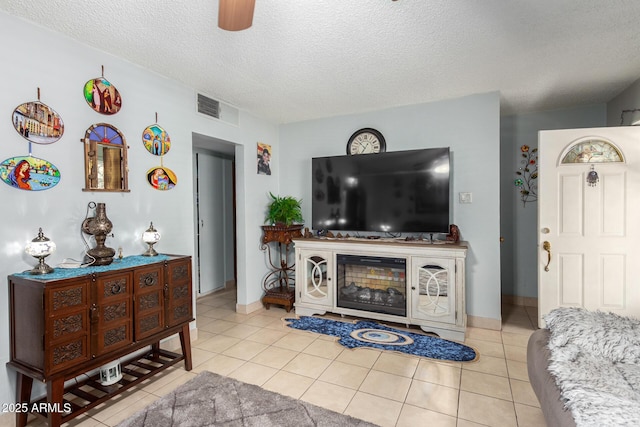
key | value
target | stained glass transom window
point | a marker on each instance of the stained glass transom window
(104, 134)
(592, 151)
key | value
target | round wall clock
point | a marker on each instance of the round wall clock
(366, 141)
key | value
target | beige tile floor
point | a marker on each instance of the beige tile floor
(388, 389)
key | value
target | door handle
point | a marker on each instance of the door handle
(547, 247)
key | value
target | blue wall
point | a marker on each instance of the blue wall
(470, 126)
(518, 225)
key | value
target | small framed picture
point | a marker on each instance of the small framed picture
(264, 159)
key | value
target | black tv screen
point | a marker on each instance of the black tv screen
(395, 192)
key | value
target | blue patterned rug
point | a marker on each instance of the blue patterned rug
(372, 334)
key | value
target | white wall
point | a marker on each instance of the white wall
(251, 208)
(469, 125)
(35, 57)
(518, 223)
(628, 99)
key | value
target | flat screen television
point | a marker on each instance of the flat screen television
(393, 192)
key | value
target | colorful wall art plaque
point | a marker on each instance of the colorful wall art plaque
(162, 178)
(102, 96)
(29, 173)
(37, 122)
(156, 140)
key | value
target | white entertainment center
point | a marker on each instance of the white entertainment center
(412, 282)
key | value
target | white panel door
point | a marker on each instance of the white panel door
(211, 233)
(588, 235)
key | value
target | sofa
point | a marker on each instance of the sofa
(585, 368)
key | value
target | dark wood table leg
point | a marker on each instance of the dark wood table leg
(185, 343)
(55, 392)
(23, 397)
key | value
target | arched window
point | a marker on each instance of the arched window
(105, 159)
(592, 150)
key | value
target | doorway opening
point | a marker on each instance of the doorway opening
(215, 215)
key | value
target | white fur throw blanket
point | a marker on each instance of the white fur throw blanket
(595, 357)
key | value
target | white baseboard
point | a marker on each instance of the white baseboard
(246, 309)
(484, 323)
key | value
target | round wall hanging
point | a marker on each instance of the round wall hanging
(102, 96)
(156, 140)
(29, 173)
(37, 122)
(162, 178)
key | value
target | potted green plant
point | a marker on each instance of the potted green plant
(284, 211)
(284, 219)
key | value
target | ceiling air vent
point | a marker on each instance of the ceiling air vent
(208, 106)
(217, 109)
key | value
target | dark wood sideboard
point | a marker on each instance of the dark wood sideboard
(62, 328)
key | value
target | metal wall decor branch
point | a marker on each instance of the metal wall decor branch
(528, 175)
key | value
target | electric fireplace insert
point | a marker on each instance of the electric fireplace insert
(370, 283)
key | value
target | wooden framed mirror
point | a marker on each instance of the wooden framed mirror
(105, 159)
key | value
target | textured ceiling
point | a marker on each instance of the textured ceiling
(306, 59)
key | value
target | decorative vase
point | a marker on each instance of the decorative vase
(99, 226)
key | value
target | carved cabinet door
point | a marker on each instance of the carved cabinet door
(111, 313)
(178, 302)
(66, 326)
(149, 301)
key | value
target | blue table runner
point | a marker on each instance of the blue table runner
(117, 264)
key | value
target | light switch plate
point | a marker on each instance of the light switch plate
(466, 197)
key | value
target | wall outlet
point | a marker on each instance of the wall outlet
(466, 197)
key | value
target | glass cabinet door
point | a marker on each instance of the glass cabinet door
(316, 279)
(433, 289)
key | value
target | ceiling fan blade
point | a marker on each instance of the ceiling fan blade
(235, 15)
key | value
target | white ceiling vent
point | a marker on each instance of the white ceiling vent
(218, 110)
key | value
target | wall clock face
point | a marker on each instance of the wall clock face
(366, 141)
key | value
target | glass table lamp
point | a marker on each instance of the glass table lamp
(40, 248)
(151, 237)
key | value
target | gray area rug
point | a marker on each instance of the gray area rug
(213, 400)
